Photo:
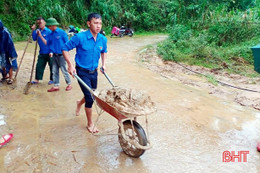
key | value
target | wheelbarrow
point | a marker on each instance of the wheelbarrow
(132, 137)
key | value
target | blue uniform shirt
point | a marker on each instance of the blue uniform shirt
(44, 49)
(56, 40)
(88, 50)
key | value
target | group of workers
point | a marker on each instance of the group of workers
(51, 41)
(54, 49)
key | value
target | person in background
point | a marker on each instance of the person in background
(56, 40)
(90, 45)
(8, 55)
(41, 35)
(72, 29)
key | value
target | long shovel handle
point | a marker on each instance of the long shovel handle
(29, 84)
(35, 51)
(108, 78)
(83, 83)
(22, 57)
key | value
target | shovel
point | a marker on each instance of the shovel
(29, 40)
(29, 84)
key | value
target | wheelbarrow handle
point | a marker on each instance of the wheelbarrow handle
(83, 83)
(108, 78)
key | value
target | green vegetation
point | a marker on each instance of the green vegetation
(211, 33)
(214, 34)
(211, 79)
(142, 15)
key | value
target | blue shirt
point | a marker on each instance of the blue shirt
(56, 40)
(44, 49)
(87, 49)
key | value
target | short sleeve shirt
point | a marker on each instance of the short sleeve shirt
(88, 50)
(56, 40)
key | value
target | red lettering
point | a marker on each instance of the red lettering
(238, 156)
(231, 156)
(244, 153)
(226, 156)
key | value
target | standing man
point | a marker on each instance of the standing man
(89, 46)
(56, 41)
(43, 57)
(8, 55)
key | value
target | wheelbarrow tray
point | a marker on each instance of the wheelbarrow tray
(101, 103)
(109, 109)
(139, 143)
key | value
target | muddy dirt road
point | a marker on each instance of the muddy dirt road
(189, 132)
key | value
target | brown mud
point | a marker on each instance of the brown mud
(194, 124)
(129, 102)
(241, 89)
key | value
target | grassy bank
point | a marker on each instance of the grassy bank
(221, 41)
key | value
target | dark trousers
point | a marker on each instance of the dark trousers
(43, 59)
(90, 78)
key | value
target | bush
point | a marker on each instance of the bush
(179, 32)
(231, 30)
(219, 38)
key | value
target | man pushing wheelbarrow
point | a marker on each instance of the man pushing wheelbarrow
(90, 45)
(125, 105)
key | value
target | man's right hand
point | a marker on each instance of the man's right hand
(33, 27)
(38, 32)
(71, 70)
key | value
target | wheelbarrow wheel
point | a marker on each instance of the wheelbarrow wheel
(137, 134)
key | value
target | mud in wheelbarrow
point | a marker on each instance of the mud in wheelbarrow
(132, 137)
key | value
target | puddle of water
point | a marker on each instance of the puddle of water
(2, 121)
(257, 115)
(251, 129)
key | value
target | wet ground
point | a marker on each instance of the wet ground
(189, 132)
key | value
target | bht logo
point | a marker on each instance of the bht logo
(231, 156)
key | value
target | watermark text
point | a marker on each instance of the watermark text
(232, 156)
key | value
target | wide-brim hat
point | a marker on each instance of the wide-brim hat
(51, 21)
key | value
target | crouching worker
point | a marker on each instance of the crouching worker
(8, 55)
